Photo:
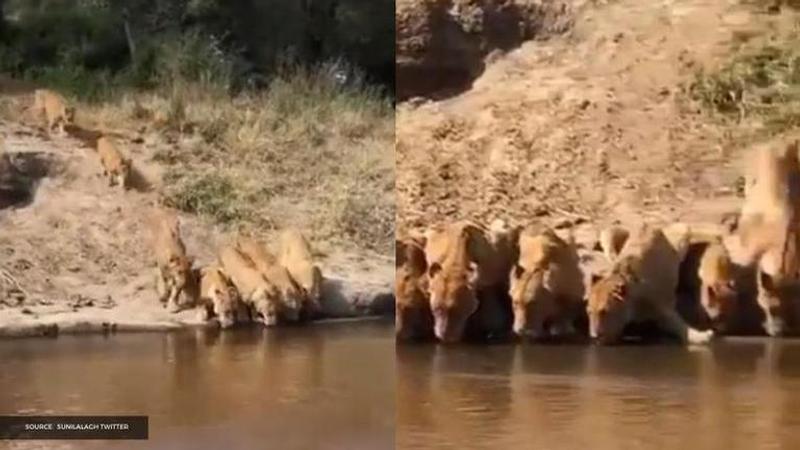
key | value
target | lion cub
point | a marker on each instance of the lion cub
(56, 109)
(116, 167)
(220, 299)
(174, 275)
(640, 287)
(295, 255)
(258, 293)
(292, 296)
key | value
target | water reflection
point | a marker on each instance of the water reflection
(735, 394)
(326, 387)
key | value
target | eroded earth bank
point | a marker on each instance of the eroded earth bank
(588, 112)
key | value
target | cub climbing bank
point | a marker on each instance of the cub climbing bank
(57, 111)
(174, 268)
(115, 166)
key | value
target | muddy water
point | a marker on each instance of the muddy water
(322, 387)
(740, 394)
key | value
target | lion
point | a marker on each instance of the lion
(292, 295)
(768, 233)
(255, 290)
(294, 254)
(546, 285)
(468, 268)
(641, 287)
(116, 167)
(413, 317)
(174, 268)
(219, 298)
(718, 286)
(56, 110)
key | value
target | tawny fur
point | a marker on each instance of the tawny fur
(413, 318)
(219, 298)
(769, 234)
(718, 290)
(546, 285)
(255, 290)
(56, 110)
(294, 254)
(292, 296)
(640, 287)
(468, 267)
(116, 167)
(174, 267)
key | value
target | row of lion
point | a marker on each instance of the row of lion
(247, 283)
(463, 280)
(58, 114)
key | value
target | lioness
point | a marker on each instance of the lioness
(769, 230)
(413, 317)
(640, 287)
(258, 293)
(220, 299)
(546, 285)
(55, 108)
(294, 254)
(116, 167)
(468, 270)
(292, 296)
(175, 275)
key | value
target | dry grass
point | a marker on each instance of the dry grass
(760, 83)
(304, 152)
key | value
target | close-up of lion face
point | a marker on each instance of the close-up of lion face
(532, 302)
(453, 299)
(607, 309)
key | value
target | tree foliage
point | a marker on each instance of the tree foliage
(242, 38)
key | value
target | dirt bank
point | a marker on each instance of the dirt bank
(74, 254)
(588, 127)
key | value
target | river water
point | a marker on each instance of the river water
(327, 386)
(737, 394)
(346, 386)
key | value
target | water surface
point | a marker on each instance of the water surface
(743, 393)
(328, 386)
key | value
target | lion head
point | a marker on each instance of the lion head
(267, 306)
(453, 298)
(609, 307)
(532, 301)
